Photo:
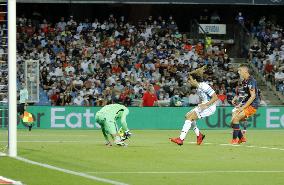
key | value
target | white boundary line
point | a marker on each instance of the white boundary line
(191, 172)
(51, 135)
(11, 181)
(44, 141)
(243, 145)
(71, 172)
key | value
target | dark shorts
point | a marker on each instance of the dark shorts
(21, 108)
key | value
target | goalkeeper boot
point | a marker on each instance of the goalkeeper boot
(121, 143)
(200, 138)
(177, 141)
(126, 135)
(242, 140)
(118, 141)
(30, 127)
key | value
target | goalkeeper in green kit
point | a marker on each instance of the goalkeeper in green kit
(107, 118)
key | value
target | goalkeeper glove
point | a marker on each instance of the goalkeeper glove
(126, 135)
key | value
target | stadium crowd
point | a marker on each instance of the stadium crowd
(95, 62)
(267, 52)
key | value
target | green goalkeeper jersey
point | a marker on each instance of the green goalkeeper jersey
(114, 112)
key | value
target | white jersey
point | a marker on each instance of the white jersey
(205, 92)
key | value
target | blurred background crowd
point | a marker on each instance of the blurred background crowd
(94, 62)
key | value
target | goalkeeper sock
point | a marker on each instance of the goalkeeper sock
(236, 128)
(185, 128)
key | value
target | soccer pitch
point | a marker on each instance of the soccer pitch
(150, 158)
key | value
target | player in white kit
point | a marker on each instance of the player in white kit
(206, 108)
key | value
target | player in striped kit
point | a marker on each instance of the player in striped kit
(206, 108)
(247, 107)
(237, 102)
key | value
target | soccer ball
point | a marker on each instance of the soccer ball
(121, 132)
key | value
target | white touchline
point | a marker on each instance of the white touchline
(202, 143)
(243, 145)
(191, 172)
(44, 141)
(71, 172)
(54, 141)
(10, 181)
(51, 135)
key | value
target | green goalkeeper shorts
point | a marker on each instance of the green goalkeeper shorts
(107, 122)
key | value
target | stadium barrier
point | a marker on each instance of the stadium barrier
(50, 117)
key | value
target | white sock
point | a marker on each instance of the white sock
(195, 128)
(185, 128)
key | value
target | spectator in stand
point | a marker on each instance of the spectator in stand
(215, 18)
(240, 18)
(78, 100)
(149, 98)
(112, 54)
(271, 37)
(279, 78)
(222, 98)
(254, 51)
(193, 98)
(268, 70)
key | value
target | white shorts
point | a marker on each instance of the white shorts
(204, 113)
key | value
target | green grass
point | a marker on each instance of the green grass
(148, 151)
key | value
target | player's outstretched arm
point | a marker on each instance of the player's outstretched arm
(198, 71)
(211, 102)
(234, 101)
(106, 137)
(123, 120)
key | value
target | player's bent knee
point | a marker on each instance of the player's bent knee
(191, 116)
(188, 115)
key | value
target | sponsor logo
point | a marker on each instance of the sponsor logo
(224, 119)
(274, 118)
(60, 119)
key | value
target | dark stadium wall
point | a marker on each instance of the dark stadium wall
(220, 2)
